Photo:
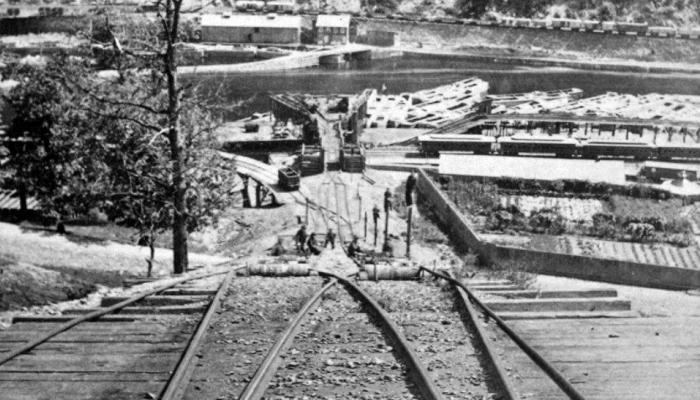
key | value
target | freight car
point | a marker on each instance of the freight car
(638, 150)
(515, 145)
(250, 5)
(662, 31)
(670, 151)
(432, 145)
(636, 28)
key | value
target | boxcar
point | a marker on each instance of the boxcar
(609, 26)
(670, 151)
(515, 145)
(432, 145)
(633, 27)
(539, 23)
(662, 31)
(638, 150)
(692, 33)
(592, 25)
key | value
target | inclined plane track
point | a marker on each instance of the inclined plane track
(323, 336)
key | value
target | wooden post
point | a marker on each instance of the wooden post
(306, 215)
(375, 233)
(386, 232)
(408, 233)
(359, 207)
(258, 200)
(365, 225)
(245, 193)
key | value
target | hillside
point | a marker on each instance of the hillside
(678, 13)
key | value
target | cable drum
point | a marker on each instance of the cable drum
(375, 272)
(278, 270)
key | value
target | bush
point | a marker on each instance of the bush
(641, 232)
(547, 221)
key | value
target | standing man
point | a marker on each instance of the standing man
(410, 187)
(387, 207)
(330, 239)
(300, 238)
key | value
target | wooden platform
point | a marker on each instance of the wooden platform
(607, 351)
(628, 358)
(128, 355)
(96, 360)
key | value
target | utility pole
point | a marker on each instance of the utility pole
(375, 218)
(365, 225)
(408, 233)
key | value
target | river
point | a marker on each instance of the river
(407, 75)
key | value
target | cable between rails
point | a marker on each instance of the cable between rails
(541, 362)
(174, 389)
(255, 389)
(506, 385)
(421, 376)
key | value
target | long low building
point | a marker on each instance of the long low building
(533, 168)
(250, 28)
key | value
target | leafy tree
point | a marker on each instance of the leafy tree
(41, 152)
(471, 8)
(108, 144)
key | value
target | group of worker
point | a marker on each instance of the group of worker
(305, 243)
(308, 244)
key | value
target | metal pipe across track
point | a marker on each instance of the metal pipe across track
(548, 368)
(256, 387)
(416, 368)
(98, 313)
(177, 383)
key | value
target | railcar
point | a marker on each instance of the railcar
(592, 25)
(638, 150)
(280, 6)
(609, 26)
(250, 5)
(433, 144)
(693, 33)
(539, 23)
(633, 27)
(670, 151)
(515, 145)
(662, 31)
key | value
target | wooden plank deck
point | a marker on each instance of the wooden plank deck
(627, 358)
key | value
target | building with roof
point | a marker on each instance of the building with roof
(333, 29)
(532, 168)
(249, 28)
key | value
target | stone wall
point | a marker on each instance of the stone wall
(463, 234)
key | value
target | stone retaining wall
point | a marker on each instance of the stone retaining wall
(463, 234)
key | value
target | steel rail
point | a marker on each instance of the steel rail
(98, 313)
(256, 387)
(541, 362)
(416, 368)
(505, 383)
(177, 383)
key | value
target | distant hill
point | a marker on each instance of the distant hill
(678, 13)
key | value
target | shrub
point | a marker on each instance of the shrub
(641, 232)
(547, 221)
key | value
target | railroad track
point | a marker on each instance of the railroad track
(125, 349)
(328, 336)
(315, 336)
(319, 336)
